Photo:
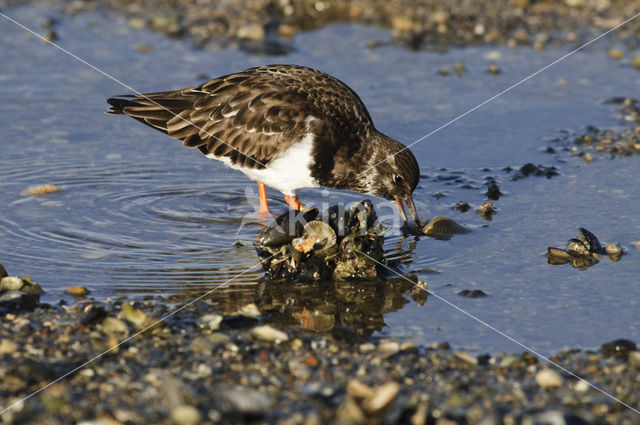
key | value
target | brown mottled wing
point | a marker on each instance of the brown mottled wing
(250, 117)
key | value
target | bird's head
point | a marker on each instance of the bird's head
(396, 174)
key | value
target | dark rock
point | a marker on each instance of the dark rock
(472, 293)
(619, 347)
(13, 301)
(3, 272)
(493, 191)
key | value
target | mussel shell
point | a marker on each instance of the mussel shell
(337, 217)
(559, 256)
(591, 241)
(362, 216)
(443, 227)
(286, 227)
(578, 247)
(321, 230)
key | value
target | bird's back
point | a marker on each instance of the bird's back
(252, 116)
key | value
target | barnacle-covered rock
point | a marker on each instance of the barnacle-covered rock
(342, 244)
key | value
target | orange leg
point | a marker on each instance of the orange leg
(294, 202)
(264, 208)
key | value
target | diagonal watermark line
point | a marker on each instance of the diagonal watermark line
(155, 323)
(492, 98)
(95, 68)
(477, 319)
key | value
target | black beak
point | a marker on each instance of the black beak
(411, 206)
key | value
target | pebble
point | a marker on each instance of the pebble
(251, 32)
(185, 415)
(613, 249)
(635, 62)
(144, 48)
(137, 23)
(77, 291)
(243, 401)
(466, 358)
(45, 189)
(7, 346)
(384, 395)
(548, 378)
(113, 325)
(357, 389)
(212, 321)
(616, 54)
(11, 283)
(269, 333)
(249, 310)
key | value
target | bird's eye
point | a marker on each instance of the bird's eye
(398, 179)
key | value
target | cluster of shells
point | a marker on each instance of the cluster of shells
(583, 251)
(342, 244)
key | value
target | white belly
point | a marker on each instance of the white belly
(290, 171)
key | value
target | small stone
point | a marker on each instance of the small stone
(459, 68)
(588, 157)
(211, 321)
(268, 333)
(349, 412)
(7, 346)
(112, 345)
(137, 317)
(509, 361)
(383, 397)
(613, 249)
(286, 31)
(402, 24)
(185, 415)
(45, 189)
(616, 54)
(357, 389)
(113, 325)
(242, 401)
(367, 347)
(137, 23)
(581, 386)
(635, 62)
(389, 348)
(77, 291)
(443, 71)
(249, 310)
(472, 293)
(466, 358)
(251, 32)
(494, 69)
(634, 359)
(144, 48)
(548, 378)
(11, 283)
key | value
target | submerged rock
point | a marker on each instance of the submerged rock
(342, 244)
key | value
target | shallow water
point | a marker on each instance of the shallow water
(138, 213)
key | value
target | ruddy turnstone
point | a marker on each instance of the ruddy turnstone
(285, 126)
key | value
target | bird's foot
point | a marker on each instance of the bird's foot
(294, 202)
